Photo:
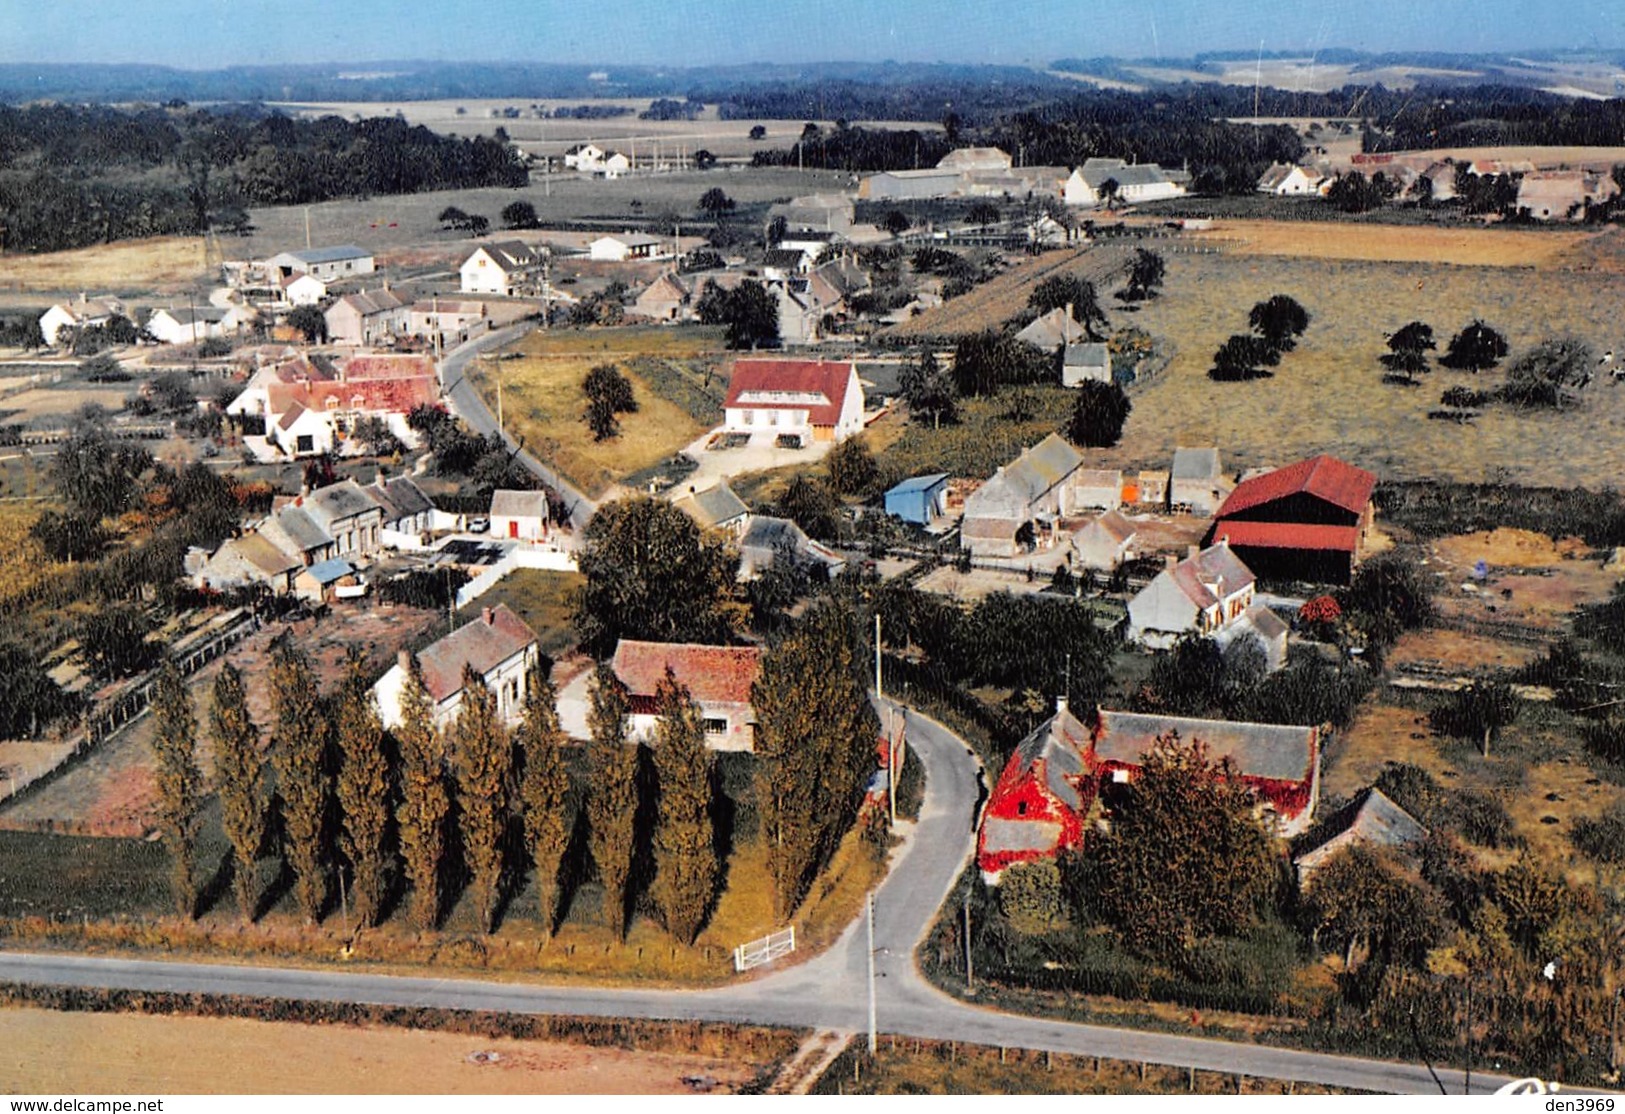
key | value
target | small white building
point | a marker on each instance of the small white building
(83, 314)
(520, 515)
(498, 645)
(1085, 362)
(328, 264)
(1285, 180)
(629, 247)
(186, 324)
(302, 290)
(1087, 187)
(507, 268)
(718, 679)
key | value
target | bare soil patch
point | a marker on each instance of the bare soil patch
(1461, 246)
(102, 1053)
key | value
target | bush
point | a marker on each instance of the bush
(1030, 897)
(1602, 838)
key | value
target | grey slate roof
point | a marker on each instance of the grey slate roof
(519, 504)
(1059, 741)
(1195, 464)
(1259, 750)
(714, 506)
(336, 254)
(1088, 354)
(294, 531)
(1371, 818)
(344, 499)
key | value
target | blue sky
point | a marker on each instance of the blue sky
(205, 34)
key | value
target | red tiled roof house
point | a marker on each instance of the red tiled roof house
(817, 400)
(719, 678)
(1061, 776)
(1307, 521)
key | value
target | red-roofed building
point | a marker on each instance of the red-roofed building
(308, 412)
(816, 400)
(1048, 792)
(719, 678)
(1307, 521)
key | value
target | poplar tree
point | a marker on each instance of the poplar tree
(363, 788)
(180, 784)
(239, 773)
(299, 749)
(482, 757)
(612, 794)
(424, 799)
(684, 840)
(815, 746)
(544, 791)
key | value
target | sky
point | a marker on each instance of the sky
(209, 34)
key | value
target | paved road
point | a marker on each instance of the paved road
(468, 404)
(827, 992)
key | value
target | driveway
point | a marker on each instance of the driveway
(759, 455)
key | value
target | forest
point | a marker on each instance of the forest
(75, 176)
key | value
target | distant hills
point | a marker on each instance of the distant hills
(858, 90)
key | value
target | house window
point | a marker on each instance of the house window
(304, 443)
(715, 726)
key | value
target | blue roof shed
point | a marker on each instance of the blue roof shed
(920, 499)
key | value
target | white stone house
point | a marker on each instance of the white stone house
(519, 515)
(82, 314)
(1201, 595)
(498, 645)
(814, 400)
(507, 268)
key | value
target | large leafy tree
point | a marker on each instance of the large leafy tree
(1242, 357)
(748, 313)
(424, 799)
(1543, 375)
(650, 574)
(544, 789)
(96, 474)
(1075, 294)
(482, 758)
(684, 839)
(986, 361)
(29, 698)
(363, 790)
(612, 794)
(114, 640)
(928, 388)
(815, 743)
(239, 772)
(180, 783)
(1098, 414)
(851, 466)
(299, 745)
(1364, 901)
(1185, 859)
(1144, 276)
(1280, 320)
(1408, 350)
(1476, 348)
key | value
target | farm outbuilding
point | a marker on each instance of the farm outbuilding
(920, 499)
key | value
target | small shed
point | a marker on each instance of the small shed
(325, 580)
(920, 499)
(521, 515)
(1105, 542)
(1097, 488)
(1084, 362)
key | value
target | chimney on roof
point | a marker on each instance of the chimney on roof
(1060, 704)
(1169, 561)
(488, 615)
(1190, 552)
(403, 658)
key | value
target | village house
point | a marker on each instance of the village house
(1371, 819)
(718, 678)
(1063, 778)
(1099, 489)
(367, 318)
(519, 515)
(1135, 183)
(70, 317)
(1202, 595)
(968, 159)
(498, 645)
(1285, 180)
(301, 290)
(767, 540)
(328, 264)
(1549, 195)
(248, 560)
(715, 508)
(1054, 330)
(1033, 491)
(629, 247)
(828, 212)
(407, 513)
(1308, 521)
(667, 298)
(309, 411)
(586, 157)
(808, 400)
(447, 321)
(292, 531)
(507, 268)
(1196, 482)
(190, 324)
(345, 513)
(1104, 542)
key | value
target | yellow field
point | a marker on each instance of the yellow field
(165, 261)
(1462, 246)
(1329, 394)
(543, 402)
(43, 1051)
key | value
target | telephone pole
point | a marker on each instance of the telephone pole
(869, 904)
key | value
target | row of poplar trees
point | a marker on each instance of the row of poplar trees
(341, 784)
(392, 802)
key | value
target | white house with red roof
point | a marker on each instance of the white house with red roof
(719, 678)
(1307, 521)
(815, 400)
(1066, 774)
(498, 645)
(309, 411)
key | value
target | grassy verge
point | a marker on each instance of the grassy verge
(543, 599)
(927, 1067)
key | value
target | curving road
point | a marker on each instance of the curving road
(826, 992)
(468, 404)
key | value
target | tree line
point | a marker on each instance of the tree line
(83, 175)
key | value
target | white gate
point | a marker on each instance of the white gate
(765, 950)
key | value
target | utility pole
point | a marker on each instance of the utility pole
(870, 906)
(879, 690)
(970, 973)
(891, 765)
